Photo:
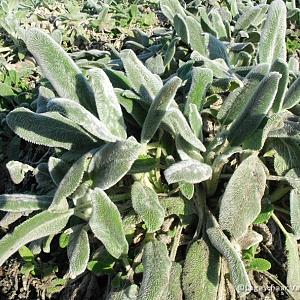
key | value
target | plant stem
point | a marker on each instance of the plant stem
(176, 242)
(279, 224)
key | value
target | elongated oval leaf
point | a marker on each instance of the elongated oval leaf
(159, 108)
(113, 161)
(157, 267)
(47, 129)
(295, 212)
(17, 170)
(45, 95)
(237, 269)
(70, 182)
(79, 115)
(146, 204)
(108, 107)
(272, 41)
(78, 252)
(181, 28)
(146, 84)
(200, 277)
(57, 169)
(170, 8)
(106, 224)
(191, 171)
(59, 68)
(241, 202)
(255, 111)
(24, 202)
(174, 290)
(292, 96)
(41, 225)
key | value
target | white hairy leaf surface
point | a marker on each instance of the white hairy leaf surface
(159, 108)
(145, 83)
(47, 129)
(200, 277)
(70, 182)
(238, 273)
(78, 252)
(107, 104)
(218, 23)
(181, 28)
(293, 265)
(255, 111)
(57, 169)
(157, 267)
(174, 289)
(106, 224)
(79, 115)
(128, 293)
(59, 68)
(272, 41)
(40, 225)
(24, 202)
(170, 8)
(44, 96)
(292, 96)
(146, 204)
(295, 212)
(112, 161)
(192, 171)
(17, 170)
(241, 202)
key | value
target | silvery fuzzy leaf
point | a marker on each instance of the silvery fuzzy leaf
(170, 8)
(293, 178)
(218, 24)
(47, 129)
(201, 79)
(112, 161)
(143, 82)
(107, 104)
(9, 218)
(40, 225)
(197, 39)
(255, 111)
(195, 121)
(59, 68)
(272, 40)
(287, 153)
(238, 274)
(23, 202)
(216, 49)
(106, 224)
(79, 115)
(187, 189)
(146, 204)
(205, 21)
(249, 239)
(293, 267)
(181, 28)
(70, 182)
(191, 171)
(295, 212)
(176, 123)
(292, 96)
(294, 65)
(249, 16)
(57, 169)
(155, 64)
(178, 206)
(78, 252)
(157, 267)
(200, 276)
(17, 170)
(281, 67)
(238, 99)
(174, 289)
(241, 202)
(128, 293)
(186, 151)
(44, 96)
(159, 108)
(170, 51)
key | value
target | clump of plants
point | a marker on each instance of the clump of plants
(161, 164)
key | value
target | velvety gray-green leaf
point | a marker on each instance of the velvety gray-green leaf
(59, 68)
(157, 267)
(44, 96)
(159, 108)
(79, 115)
(191, 171)
(200, 277)
(112, 161)
(272, 42)
(107, 104)
(255, 111)
(174, 289)
(128, 293)
(170, 8)
(24, 202)
(41, 225)
(47, 129)
(238, 274)
(106, 224)
(195, 121)
(292, 96)
(17, 170)
(146, 204)
(78, 253)
(142, 80)
(57, 169)
(181, 28)
(295, 212)
(241, 202)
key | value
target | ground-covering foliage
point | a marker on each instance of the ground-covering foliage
(149, 149)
